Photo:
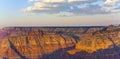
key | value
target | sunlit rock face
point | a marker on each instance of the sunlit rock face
(60, 43)
(104, 43)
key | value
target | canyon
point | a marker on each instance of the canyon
(87, 42)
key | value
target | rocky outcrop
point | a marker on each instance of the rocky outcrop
(104, 42)
(33, 43)
(59, 42)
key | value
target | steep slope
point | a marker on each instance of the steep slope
(45, 43)
(98, 42)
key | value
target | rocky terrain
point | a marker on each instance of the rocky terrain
(94, 42)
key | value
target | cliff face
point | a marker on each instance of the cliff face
(106, 38)
(58, 43)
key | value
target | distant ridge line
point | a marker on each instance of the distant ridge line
(58, 26)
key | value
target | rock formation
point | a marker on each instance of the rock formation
(60, 42)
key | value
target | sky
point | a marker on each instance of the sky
(59, 12)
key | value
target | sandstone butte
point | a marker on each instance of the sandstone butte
(60, 43)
